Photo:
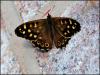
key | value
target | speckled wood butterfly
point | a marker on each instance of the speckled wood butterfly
(44, 33)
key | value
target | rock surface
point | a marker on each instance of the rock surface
(81, 55)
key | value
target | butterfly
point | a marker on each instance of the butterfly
(44, 33)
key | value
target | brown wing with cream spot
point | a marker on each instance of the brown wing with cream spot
(64, 29)
(36, 32)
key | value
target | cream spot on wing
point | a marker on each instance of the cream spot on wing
(65, 40)
(23, 32)
(35, 36)
(30, 35)
(35, 25)
(70, 21)
(40, 27)
(68, 31)
(73, 27)
(61, 22)
(40, 37)
(29, 30)
(37, 31)
(20, 29)
(68, 26)
(34, 41)
(75, 23)
(33, 44)
(24, 26)
(65, 22)
(42, 49)
(30, 25)
(62, 29)
(65, 33)
(62, 42)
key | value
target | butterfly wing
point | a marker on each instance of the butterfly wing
(36, 32)
(64, 29)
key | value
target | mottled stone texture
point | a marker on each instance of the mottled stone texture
(81, 54)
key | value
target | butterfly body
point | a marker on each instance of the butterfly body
(43, 33)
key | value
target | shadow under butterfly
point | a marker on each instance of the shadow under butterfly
(44, 33)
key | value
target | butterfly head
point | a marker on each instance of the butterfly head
(49, 16)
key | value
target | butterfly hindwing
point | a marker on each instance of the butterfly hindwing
(59, 40)
(64, 29)
(44, 32)
(36, 32)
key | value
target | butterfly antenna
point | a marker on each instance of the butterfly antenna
(48, 14)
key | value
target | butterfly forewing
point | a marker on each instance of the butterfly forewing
(36, 32)
(43, 32)
(66, 26)
(64, 29)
